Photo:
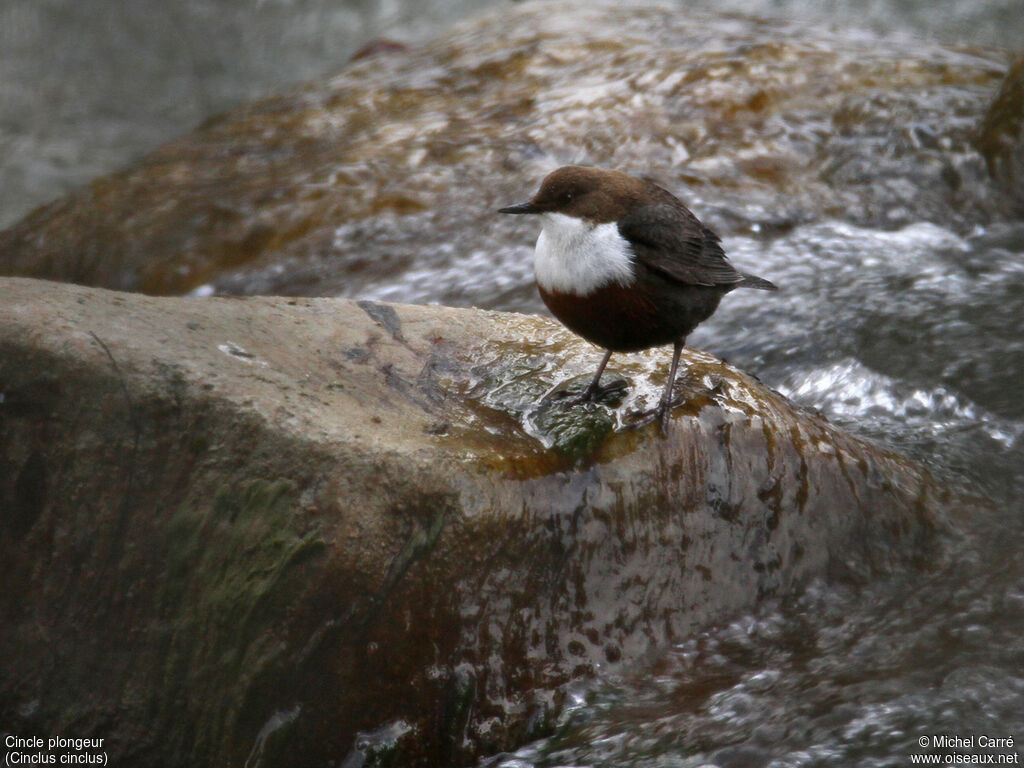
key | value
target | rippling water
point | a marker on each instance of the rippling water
(837, 677)
(85, 87)
(910, 337)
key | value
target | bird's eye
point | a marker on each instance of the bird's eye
(568, 195)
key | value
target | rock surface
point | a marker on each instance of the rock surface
(1001, 138)
(393, 168)
(288, 531)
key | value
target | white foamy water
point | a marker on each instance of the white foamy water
(849, 392)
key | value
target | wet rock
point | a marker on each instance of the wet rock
(391, 170)
(291, 531)
(1001, 137)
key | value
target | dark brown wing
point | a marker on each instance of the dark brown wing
(670, 240)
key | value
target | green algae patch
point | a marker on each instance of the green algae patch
(243, 549)
(574, 430)
(233, 569)
(577, 429)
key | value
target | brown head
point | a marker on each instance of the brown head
(594, 194)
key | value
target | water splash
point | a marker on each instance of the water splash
(851, 393)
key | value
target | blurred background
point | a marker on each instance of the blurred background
(88, 85)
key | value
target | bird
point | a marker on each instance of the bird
(623, 263)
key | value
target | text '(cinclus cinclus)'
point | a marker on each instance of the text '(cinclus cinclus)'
(621, 262)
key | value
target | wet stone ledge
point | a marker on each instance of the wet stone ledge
(275, 531)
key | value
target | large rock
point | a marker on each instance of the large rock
(247, 531)
(392, 170)
(1001, 136)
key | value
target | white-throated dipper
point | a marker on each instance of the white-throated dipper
(624, 264)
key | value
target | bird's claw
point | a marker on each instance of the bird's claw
(614, 389)
(662, 414)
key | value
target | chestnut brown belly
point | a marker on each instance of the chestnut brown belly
(640, 316)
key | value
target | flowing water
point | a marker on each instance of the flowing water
(85, 87)
(909, 334)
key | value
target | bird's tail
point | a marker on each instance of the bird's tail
(750, 281)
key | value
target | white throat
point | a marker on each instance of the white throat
(577, 257)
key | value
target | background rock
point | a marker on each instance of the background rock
(392, 169)
(291, 530)
(87, 90)
(1001, 138)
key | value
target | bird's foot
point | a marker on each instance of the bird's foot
(662, 414)
(610, 393)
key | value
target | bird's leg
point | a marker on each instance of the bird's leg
(593, 388)
(661, 413)
(666, 397)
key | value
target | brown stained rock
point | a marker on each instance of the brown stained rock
(285, 529)
(399, 161)
(1001, 136)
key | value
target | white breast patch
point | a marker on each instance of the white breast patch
(574, 256)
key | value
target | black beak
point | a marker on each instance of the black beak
(521, 208)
